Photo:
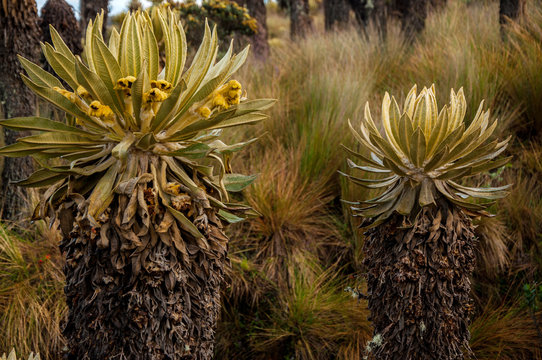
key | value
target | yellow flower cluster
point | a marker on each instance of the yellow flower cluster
(154, 95)
(203, 111)
(162, 85)
(83, 93)
(251, 23)
(218, 4)
(125, 84)
(225, 96)
(67, 94)
(222, 4)
(97, 109)
(231, 92)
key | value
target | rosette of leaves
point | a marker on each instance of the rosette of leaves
(139, 182)
(13, 356)
(419, 247)
(227, 15)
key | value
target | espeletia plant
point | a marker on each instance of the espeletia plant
(419, 235)
(139, 181)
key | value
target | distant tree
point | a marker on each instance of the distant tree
(510, 9)
(59, 14)
(231, 19)
(134, 5)
(257, 10)
(89, 10)
(379, 13)
(362, 10)
(336, 14)
(300, 20)
(412, 14)
(20, 35)
(438, 4)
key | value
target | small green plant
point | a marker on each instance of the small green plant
(532, 294)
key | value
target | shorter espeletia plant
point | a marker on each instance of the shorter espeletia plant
(419, 239)
(141, 190)
(13, 356)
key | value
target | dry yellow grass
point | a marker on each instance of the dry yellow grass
(31, 294)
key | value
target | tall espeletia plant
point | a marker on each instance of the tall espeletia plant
(419, 244)
(141, 187)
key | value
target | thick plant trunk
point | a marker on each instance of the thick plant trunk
(59, 14)
(20, 35)
(418, 285)
(90, 8)
(510, 9)
(300, 20)
(138, 288)
(257, 9)
(336, 14)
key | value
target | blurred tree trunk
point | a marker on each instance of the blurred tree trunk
(379, 14)
(90, 8)
(300, 20)
(20, 35)
(438, 4)
(59, 14)
(362, 10)
(336, 14)
(511, 9)
(412, 14)
(257, 9)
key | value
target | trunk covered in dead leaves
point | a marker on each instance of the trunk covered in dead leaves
(137, 286)
(419, 287)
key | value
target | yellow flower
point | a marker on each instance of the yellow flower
(125, 83)
(67, 94)
(154, 95)
(173, 188)
(233, 92)
(252, 24)
(219, 100)
(225, 96)
(204, 111)
(97, 109)
(82, 92)
(162, 85)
